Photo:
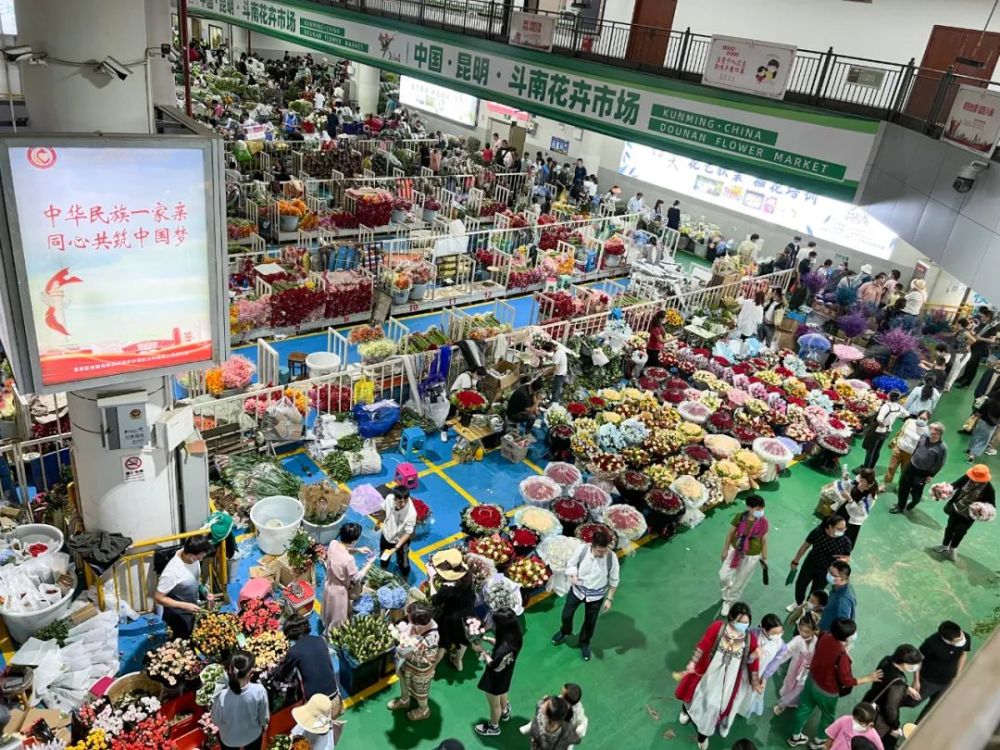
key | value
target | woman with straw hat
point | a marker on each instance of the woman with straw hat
(453, 600)
(974, 499)
(313, 723)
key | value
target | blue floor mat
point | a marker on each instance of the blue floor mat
(492, 480)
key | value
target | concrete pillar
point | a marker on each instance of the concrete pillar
(366, 80)
(67, 95)
(74, 99)
(161, 73)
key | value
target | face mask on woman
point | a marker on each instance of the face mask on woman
(911, 667)
(758, 514)
(960, 643)
(839, 532)
(739, 627)
(858, 727)
(921, 423)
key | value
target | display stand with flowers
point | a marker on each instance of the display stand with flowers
(290, 212)
(420, 273)
(468, 403)
(430, 210)
(400, 286)
(364, 646)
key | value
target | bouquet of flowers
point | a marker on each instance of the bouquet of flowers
(474, 630)
(391, 597)
(698, 453)
(497, 549)
(690, 490)
(772, 451)
(633, 431)
(585, 426)
(722, 446)
(563, 474)
(524, 540)
(469, 402)
(636, 457)
(209, 676)
(607, 464)
(364, 604)
(577, 409)
(502, 593)
(539, 520)
(694, 411)
(363, 334)
(585, 533)
(681, 464)
(625, 521)
(172, 663)
(216, 634)
(423, 511)
(557, 415)
(664, 501)
(483, 520)
(260, 616)
(800, 432)
(720, 422)
(749, 462)
(660, 476)
(364, 638)
(529, 572)
(481, 569)
(835, 444)
(745, 435)
(376, 351)
(268, 648)
(569, 510)
(983, 512)
(726, 469)
(237, 372)
(942, 491)
(539, 490)
(610, 439)
(663, 442)
(689, 432)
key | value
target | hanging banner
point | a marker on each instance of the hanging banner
(760, 68)
(532, 31)
(974, 120)
(437, 100)
(821, 151)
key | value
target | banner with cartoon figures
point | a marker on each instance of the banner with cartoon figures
(760, 68)
(115, 247)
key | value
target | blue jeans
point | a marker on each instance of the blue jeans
(982, 433)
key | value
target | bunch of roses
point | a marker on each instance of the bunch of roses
(268, 648)
(172, 663)
(260, 616)
(483, 520)
(529, 572)
(607, 463)
(497, 549)
(661, 476)
(586, 532)
(216, 634)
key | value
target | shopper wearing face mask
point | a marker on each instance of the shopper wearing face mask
(945, 654)
(826, 543)
(904, 444)
(857, 498)
(844, 730)
(744, 548)
(722, 670)
(770, 651)
(892, 692)
(842, 604)
(830, 676)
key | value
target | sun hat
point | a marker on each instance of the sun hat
(449, 564)
(866, 268)
(918, 284)
(979, 473)
(314, 716)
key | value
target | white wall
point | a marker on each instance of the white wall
(890, 30)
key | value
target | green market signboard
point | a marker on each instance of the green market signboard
(824, 153)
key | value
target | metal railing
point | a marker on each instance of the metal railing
(915, 97)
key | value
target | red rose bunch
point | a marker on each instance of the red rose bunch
(586, 532)
(423, 510)
(569, 510)
(524, 538)
(483, 520)
(260, 616)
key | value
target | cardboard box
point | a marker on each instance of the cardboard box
(82, 614)
(58, 722)
(501, 376)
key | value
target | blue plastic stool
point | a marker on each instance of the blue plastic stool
(412, 441)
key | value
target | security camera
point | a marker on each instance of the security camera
(110, 66)
(967, 175)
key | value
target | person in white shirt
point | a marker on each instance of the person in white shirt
(313, 723)
(397, 529)
(858, 497)
(924, 397)
(879, 430)
(749, 249)
(319, 100)
(906, 441)
(468, 380)
(594, 575)
(179, 586)
(636, 204)
(338, 92)
(915, 298)
(560, 361)
(751, 316)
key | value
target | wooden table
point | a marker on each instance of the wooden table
(472, 435)
(296, 365)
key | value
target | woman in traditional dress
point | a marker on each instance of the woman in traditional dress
(416, 657)
(341, 574)
(721, 671)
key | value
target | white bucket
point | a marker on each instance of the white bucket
(39, 533)
(23, 625)
(326, 533)
(276, 519)
(322, 363)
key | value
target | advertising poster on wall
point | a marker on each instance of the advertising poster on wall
(799, 210)
(116, 254)
(747, 65)
(974, 120)
(532, 31)
(439, 101)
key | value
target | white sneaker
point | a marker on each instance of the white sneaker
(703, 745)
(792, 607)
(991, 451)
(951, 554)
(684, 718)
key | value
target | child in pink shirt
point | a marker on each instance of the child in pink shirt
(859, 724)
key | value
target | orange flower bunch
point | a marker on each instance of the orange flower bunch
(213, 381)
(295, 207)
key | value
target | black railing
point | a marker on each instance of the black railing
(916, 97)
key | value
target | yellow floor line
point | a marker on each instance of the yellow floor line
(438, 544)
(532, 466)
(243, 537)
(452, 483)
(370, 691)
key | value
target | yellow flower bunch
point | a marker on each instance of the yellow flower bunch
(299, 399)
(586, 427)
(610, 394)
(823, 378)
(845, 390)
(690, 432)
(213, 381)
(633, 394)
(769, 376)
(95, 740)
(609, 417)
(673, 318)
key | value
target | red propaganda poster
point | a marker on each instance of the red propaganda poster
(116, 255)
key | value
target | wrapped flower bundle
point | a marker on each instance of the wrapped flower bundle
(557, 551)
(749, 462)
(942, 491)
(541, 521)
(268, 649)
(569, 510)
(607, 463)
(483, 520)
(260, 616)
(772, 451)
(690, 490)
(540, 490)
(636, 457)
(496, 548)
(982, 512)
(660, 476)
(481, 568)
(722, 446)
(502, 593)
(835, 444)
(585, 533)
(665, 502)
(563, 474)
(391, 597)
(215, 634)
(681, 464)
(694, 411)
(627, 522)
(529, 572)
(364, 638)
(524, 540)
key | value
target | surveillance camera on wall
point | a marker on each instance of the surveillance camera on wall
(967, 175)
(113, 68)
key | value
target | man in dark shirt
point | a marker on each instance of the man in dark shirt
(805, 265)
(522, 406)
(674, 216)
(309, 655)
(793, 247)
(986, 332)
(945, 654)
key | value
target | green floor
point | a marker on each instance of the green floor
(669, 594)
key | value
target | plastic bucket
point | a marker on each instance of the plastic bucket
(23, 625)
(327, 532)
(322, 363)
(39, 533)
(276, 519)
